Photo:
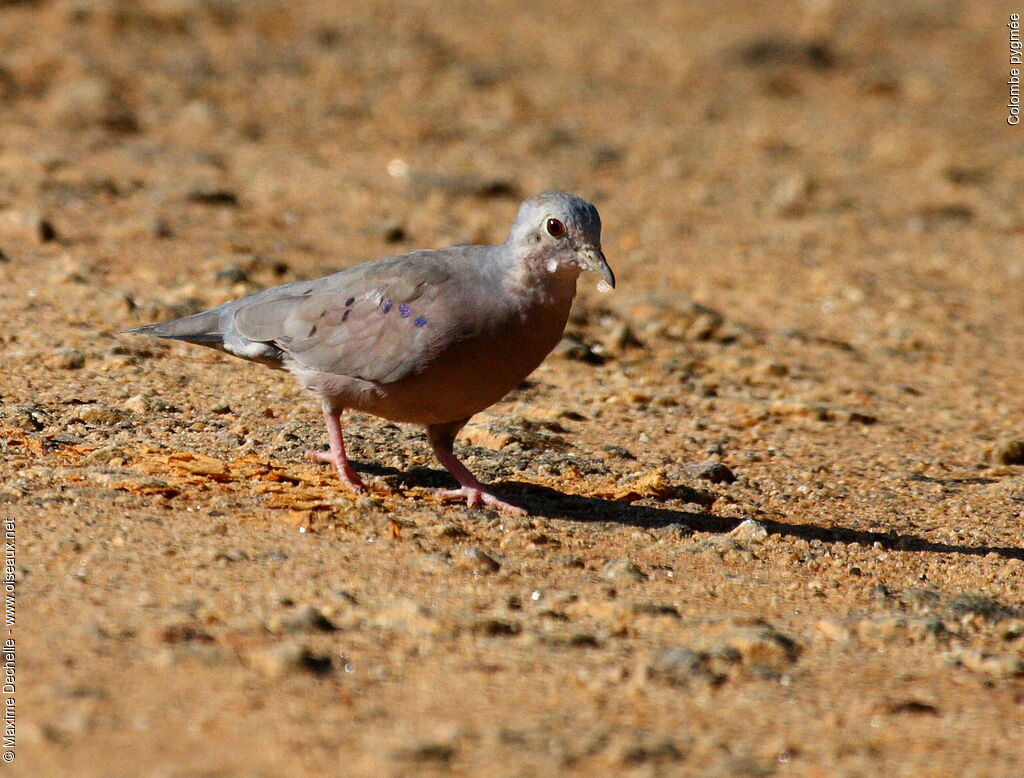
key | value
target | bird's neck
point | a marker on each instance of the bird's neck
(538, 279)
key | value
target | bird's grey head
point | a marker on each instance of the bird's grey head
(560, 231)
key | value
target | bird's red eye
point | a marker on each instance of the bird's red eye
(555, 228)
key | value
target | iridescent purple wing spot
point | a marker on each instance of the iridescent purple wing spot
(385, 305)
(420, 321)
(405, 311)
(345, 315)
(349, 301)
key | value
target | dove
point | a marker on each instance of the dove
(430, 338)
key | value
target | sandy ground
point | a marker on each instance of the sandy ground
(776, 500)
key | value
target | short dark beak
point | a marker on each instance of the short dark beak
(593, 259)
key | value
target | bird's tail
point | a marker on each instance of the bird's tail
(203, 328)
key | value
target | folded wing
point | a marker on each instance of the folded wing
(378, 322)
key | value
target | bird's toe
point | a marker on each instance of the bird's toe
(476, 497)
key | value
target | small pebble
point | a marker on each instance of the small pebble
(715, 472)
(208, 196)
(761, 646)
(620, 339)
(286, 658)
(232, 275)
(47, 231)
(996, 665)
(161, 228)
(475, 560)
(231, 555)
(69, 359)
(571, 347)
(1010, 452)
(449, 530)
(792, 196)
(750, 531)
(680, 666)
(436, 752)
(305, 618)
(495, 627)
(622, 570)
(137, 404)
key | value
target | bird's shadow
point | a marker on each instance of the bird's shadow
(554, 504)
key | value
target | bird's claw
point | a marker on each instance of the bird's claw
(475, 497)
(348, 476)
(319, 456)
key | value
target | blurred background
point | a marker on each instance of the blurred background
(731, 153)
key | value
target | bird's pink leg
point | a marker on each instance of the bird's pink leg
(336, 456)
(442, 440)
